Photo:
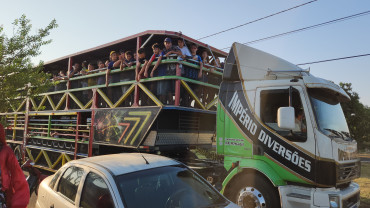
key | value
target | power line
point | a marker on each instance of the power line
(271, 15)
(307, 28)
(335, 59)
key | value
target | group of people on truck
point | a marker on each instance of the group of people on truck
(128, 58)
(143, 69)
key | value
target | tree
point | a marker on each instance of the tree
(20, 78)
(358, 117)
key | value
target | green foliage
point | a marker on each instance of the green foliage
(17, 73)
(358, 117)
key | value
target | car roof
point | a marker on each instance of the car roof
(124, 163)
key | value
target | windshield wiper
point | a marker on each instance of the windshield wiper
(336, 133)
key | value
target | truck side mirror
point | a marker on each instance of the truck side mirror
(286, 118)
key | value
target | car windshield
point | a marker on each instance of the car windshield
(329, 115)
(166, 187)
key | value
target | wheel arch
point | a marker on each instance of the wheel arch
(262, 169)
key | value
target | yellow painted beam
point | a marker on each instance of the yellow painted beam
(51, 102)
(151, 95)
(21, 105)
(61, 101)
(34, 104)
(124, 96)
(42, 102)
(57, 161)
(212, 103)
(47, 158)
(88, 104)
(104, 96)
(76, 100)
(192, 94)
(29, 154)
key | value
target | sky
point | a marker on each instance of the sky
(85, 24)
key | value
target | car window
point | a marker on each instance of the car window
(95, 193)
(68, 183)
(55, 178)
(172, 186)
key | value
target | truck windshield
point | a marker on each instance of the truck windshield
(172, 186)
(329, 114)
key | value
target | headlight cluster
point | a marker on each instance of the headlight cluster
(334, 201)
(347, 155)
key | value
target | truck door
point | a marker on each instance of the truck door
(270, 99)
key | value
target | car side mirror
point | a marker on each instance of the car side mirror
(286, 118)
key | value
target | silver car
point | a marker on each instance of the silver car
(128, 180)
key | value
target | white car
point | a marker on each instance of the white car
(128, 180)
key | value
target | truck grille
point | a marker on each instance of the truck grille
(351, 201)
(349, 171)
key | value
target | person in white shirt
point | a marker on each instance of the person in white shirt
(183, 48)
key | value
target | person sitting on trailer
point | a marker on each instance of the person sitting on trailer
(170, 49)
(127, 60)
(114, 62)
(205, 57)
(142, 60)
(157, 54)
(194, 49)
(101, 66)
(60, 76)
(74, 70)
(54, 134)
(183, 48)
(84, 66)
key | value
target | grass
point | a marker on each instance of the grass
(364, 183)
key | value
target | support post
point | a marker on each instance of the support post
(15, 126)
(177, 85)
(49, 125)
(68, 82)
(136, 94)
(77, 129)
(91, 135)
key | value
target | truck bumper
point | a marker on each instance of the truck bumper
(297, 196)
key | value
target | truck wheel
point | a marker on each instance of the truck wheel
(252, 190)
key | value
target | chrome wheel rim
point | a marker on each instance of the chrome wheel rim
(251, 197)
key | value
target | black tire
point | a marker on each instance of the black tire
(253, 184)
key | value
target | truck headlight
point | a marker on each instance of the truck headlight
(334, 201)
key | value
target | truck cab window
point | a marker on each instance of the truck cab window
(271, 101)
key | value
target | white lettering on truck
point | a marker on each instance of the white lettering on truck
(285, 153)
(241, 113)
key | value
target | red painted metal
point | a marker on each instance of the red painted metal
(136, 94)
(93, 107)
(78, 122)
(177, 85)
(91, 132)
(68, 82)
